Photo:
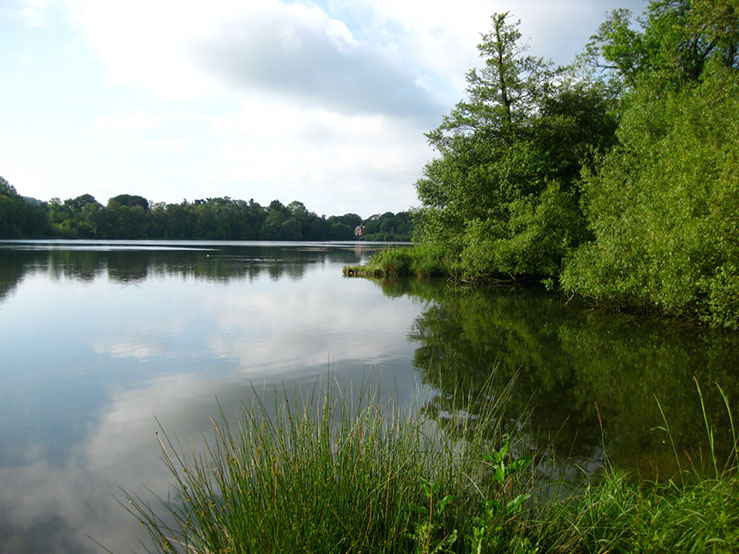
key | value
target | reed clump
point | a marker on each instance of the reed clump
(325, 473)
(422, 261)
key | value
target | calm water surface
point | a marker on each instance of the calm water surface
(99, 339)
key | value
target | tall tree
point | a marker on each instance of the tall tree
(675, 42)
(6, 189)
(502, 194)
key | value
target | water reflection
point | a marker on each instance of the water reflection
(13, 266)
(95, 342)
(49, 507)
(222, 262)
(579, 368)
(97, 339)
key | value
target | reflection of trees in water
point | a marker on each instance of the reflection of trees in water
(568, 360)
(14, 265)
(219, 264)
(82, 265)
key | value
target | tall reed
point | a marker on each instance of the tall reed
(324, 471)
(328, 473)
(696, 510)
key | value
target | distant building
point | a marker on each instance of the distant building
(358, 230)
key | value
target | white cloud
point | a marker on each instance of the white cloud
(128, 121)
(178, 49)
(317, 152)
(440, 38)
(294, 52)
(325, 102)
(34, 12)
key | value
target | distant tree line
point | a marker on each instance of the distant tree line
(129, 216)
(388, 227)
(19, 217)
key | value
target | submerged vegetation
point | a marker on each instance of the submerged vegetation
(616, 178)
(319, 472)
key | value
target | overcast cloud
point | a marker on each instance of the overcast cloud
(324, 102)
(309, 57)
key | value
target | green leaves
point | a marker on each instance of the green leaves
(427, 530)
(677, 42)
(538, 178)
(664, 205)
(503, 469)
(503, 195)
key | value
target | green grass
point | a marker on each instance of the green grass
(325, 473)
(422, 260)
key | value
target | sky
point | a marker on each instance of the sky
(324, 101)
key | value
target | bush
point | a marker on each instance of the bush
(664, 207)
(539, 232)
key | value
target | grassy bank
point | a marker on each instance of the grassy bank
(423, 260)
(327, 474)
(717, 308)
(427, 260)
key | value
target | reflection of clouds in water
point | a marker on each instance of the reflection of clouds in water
(279, 330)
(128, 349)
(263, 326)
(223, 334)
(61, 506)
(55, 509)
(141, 340)
(50, 508)
(42, 506)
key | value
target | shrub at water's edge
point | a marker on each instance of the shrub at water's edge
(429, 259)
(664, 205)
(323, 475)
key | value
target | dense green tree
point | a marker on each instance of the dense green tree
(676, 41)
(129, 216)
(272, 229)
(19, 218)
(664, 206)
(178, 221)
(388, 227)
(76, 217)
(503, 194)
(351, 220)
(624, 182)
(129, 200)
(342, 227)
(76, 205)
(6, 189)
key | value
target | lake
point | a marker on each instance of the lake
(103, 342)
